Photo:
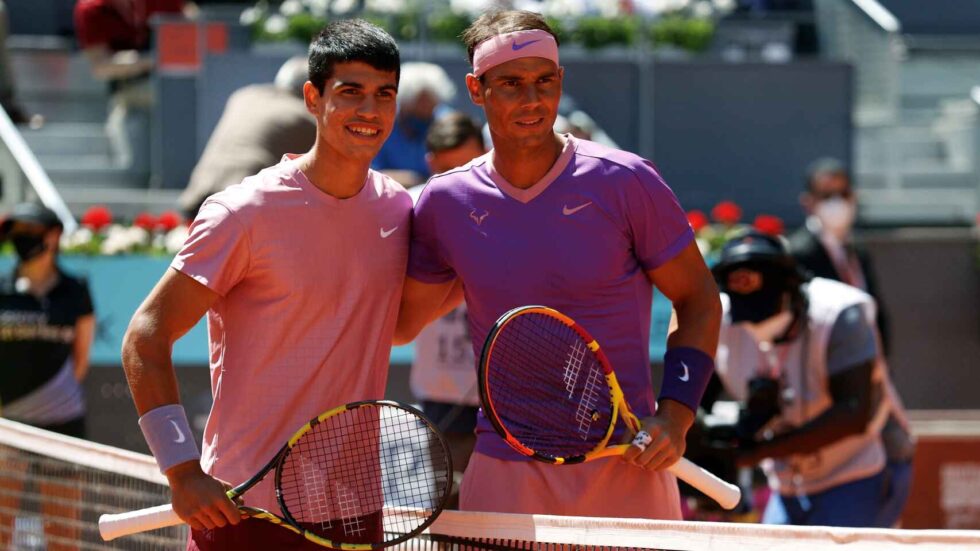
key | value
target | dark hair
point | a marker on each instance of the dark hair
(497, 22)
(452, 131)
(350, 40)
(826, 166)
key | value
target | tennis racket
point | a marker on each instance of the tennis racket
(365, 475)
(550, 392)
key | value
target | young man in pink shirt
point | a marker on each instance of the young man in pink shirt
(549, 219)
(299, 269)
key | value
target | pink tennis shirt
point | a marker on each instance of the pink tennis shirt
(580, 240)
(310, 286)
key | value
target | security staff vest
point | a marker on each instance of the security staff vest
(806, 392)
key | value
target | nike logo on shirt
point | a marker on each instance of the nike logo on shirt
(180, 435)
(515, 46)
(386, 233)
(570, 211)
(686, 376)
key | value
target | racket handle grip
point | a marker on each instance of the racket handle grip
(726, 494)
(142, 520)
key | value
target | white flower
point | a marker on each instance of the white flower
(78, 238)
(250, 16)
(137, 236)
(565, 8)
(724, 6)
(659, 7)
(343, 6)
(318, 7)
(276, 24)
(290, 8)
(384, 6)
(175, 239)
(470, 7)
(703, 246)
(703, 10)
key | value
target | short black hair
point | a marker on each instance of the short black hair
(452, 131)
(350, 40)
(497, 22)
(825, 166)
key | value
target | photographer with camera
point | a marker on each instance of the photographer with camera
(802, 358)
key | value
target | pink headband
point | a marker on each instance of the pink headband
(506, 47)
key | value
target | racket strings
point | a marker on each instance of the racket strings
(546, 385)
(372, 474)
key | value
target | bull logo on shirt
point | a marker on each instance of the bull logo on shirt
(478, 218)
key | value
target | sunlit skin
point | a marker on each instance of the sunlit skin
(824, 187)
(354, 116)
(520, 100)
(448, 159)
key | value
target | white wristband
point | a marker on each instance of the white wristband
(169, 436)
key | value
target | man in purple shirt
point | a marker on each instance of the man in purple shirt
(550, 219)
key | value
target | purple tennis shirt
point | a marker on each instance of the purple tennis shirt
(580, 241)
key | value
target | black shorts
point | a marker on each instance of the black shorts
(451, 418)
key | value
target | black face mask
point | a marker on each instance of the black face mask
(757, 306)
(29, 246)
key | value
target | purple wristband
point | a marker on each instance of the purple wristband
(686, 375)
(169, 436)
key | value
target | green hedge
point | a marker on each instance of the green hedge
(591, 32)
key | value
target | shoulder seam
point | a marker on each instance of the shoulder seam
(234, 216)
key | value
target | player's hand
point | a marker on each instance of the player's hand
(668, 432)
(200, 500)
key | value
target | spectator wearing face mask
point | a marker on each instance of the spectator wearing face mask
(825, 246)
(46, 327)
(424, 92)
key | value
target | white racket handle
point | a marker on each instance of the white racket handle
(726, 494)
(142, 520)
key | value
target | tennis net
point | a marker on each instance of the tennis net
(53, 489)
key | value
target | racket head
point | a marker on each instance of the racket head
(365, 475)
(547, 387)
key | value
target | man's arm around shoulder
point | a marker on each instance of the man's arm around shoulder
(422, 303)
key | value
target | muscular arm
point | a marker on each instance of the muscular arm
(423, 302)
(173, 307)
(690, 287)
(688, 283)
(849, 415)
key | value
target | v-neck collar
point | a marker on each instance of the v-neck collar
(539, 187)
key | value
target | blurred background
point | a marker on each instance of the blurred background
(732, 99)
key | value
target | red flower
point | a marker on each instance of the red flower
(727, 212)
(145, 220)
(697, 219)
(169, 220)
(97, 217)
(769, 224)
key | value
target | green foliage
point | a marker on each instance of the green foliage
(692, 34)
(447, 26)
(303, 27)
(597, 32)
(560, 27)
(404, 26)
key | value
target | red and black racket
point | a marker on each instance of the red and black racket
(549, 391)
